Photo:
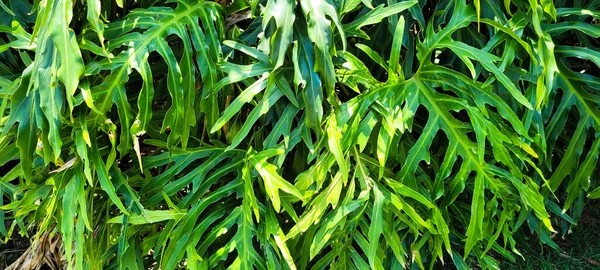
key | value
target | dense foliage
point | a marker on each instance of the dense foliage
(297, 134)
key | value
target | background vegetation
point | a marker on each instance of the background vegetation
(296, 134)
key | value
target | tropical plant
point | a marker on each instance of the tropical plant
(297, 134)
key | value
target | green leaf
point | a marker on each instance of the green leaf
(333, 143)
(235, 106)
(486, 60)
(319, 32)
(104, 179)
(595, 194)
(394, 61)
(374, 16)
(475, 229)
(280, 13)
(376, 229)
(273, 182)
(410, 131)
(306, 79)
(71, 63)
(149, 217)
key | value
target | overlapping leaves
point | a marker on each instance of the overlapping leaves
(310, 134)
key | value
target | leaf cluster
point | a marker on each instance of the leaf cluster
(287, 134)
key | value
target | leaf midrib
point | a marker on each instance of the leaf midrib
(441, 114)
(176, 18)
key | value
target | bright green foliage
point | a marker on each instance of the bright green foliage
(307, 134)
